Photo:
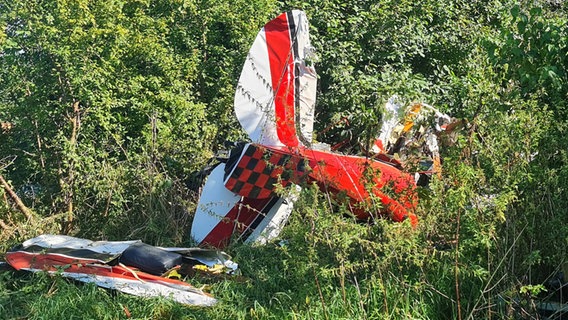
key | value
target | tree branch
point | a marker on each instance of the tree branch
(4, 225)
(19, 203)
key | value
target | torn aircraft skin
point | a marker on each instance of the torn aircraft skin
(274, 102)
(128, 266)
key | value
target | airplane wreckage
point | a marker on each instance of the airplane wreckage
(274, 102)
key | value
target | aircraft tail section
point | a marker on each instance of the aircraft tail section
(276, 93)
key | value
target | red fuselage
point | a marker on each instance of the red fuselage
(363, 180)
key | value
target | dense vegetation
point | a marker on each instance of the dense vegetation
(109, 108)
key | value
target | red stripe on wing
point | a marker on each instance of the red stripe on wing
(57, 262)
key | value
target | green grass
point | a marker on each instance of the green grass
(313, 276)
(271, 291)
(329, 267)
(302, 280)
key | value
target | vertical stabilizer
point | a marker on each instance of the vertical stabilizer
(276, 93)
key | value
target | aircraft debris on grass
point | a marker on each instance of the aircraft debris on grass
(128, 266)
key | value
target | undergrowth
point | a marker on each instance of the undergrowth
(325, 265)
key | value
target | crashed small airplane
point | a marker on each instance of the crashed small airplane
(274, 102)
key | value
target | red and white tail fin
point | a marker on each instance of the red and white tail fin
(276, 93)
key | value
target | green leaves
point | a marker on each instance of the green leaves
(535, 48)
(154, 82)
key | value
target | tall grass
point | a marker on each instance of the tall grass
(327, 266)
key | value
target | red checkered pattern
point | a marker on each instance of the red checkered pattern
(258, 171)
